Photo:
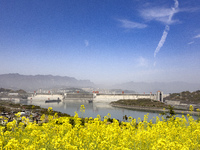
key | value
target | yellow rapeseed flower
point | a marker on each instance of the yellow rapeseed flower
(71, 133)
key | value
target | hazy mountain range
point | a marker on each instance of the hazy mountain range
(34, 82)
(30, 83)
(166, 87)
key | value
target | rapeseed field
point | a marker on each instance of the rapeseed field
(76, 133)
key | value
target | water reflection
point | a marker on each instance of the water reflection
(94, 109)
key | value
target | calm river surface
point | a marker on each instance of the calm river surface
(94, 109)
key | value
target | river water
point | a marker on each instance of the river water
(94, 109)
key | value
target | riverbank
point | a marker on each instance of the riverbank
(149, 106)
(11, 108)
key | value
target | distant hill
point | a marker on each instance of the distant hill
(30, 82)
(2, 90)
(35, 82)
(185, 97)
(166, 87)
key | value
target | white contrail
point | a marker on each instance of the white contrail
(164, 36)
(162, 40)
(173, 10)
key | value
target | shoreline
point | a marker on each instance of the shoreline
(11, 107)
(151, 109)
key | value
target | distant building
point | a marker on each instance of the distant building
(13, 94)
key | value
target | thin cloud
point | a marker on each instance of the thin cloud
(130, 24)
(154, 64)
(142, 62)
(86, 43)
(193, 9)
(197, 36)
(163, 15)
(191, 42)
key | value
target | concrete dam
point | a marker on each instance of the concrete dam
(96, 97)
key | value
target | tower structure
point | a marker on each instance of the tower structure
(160, 96)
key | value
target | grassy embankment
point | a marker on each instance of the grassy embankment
(141, 103)
(148, 105)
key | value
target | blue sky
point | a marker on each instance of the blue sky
(105, 41)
